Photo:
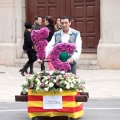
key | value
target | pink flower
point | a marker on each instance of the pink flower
(66, 75)
(48, 77)
(57, 84)
(78, 77)
(42, 85)
(80, 86)
(31, 86)
(38, 76)
(57, 78)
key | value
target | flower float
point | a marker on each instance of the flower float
(55, 53)
(53, 81)
(39, 39)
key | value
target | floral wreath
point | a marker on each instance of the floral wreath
(39, 39)
(56, 62)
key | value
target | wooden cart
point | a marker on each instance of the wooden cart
(61, 115)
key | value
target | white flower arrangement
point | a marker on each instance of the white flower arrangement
(52, 81)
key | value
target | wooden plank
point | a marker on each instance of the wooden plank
(24, 98)
(84, 93)
(81, 98)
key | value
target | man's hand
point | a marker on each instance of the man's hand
(70, 60)
(39, 61)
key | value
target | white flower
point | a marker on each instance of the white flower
(38, 81)
(46, 89)
(54, 80)
(68, 86)
(66, 82)
(62, 72)
(74, 81)
(30, 77)
(43, 80)
(51, 84)
(78, 80)
(25, 90)
(37, 88)
(59, 76)
(50, 72)
(61, 90)
(72, 85)
(37, 73)
(69, 80)
(25, 82)
(46, 82)
(45, 77)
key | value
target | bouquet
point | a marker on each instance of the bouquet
(55, 81)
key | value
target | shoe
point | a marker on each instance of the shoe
(24, 69)
(31, 73)
(22, 72)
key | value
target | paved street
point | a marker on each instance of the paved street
(94, 109)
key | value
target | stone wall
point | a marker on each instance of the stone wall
(108, 54)
(12, 17)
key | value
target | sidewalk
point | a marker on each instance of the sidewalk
(99, 83)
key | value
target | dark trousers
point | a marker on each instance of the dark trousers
(73, 68)
(31, 56)
(42, 66)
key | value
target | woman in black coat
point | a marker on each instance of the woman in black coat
(28, 47)
(49, 23)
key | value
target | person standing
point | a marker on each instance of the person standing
(66, 35)
(57, 24)
(28, 47)
(37, 26)
(49, 23)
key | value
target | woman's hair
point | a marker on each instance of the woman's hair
(28, 25)
(57, 19)
(51, 21)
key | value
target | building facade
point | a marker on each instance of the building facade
(13, 16)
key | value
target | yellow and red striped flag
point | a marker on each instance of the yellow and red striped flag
(70, 107)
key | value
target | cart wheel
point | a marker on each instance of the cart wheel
(33, 118)
(74, 119)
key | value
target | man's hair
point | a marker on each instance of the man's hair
(36, 17)
(65, 17)
(28, 25)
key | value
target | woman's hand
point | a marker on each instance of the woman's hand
(39, 61)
